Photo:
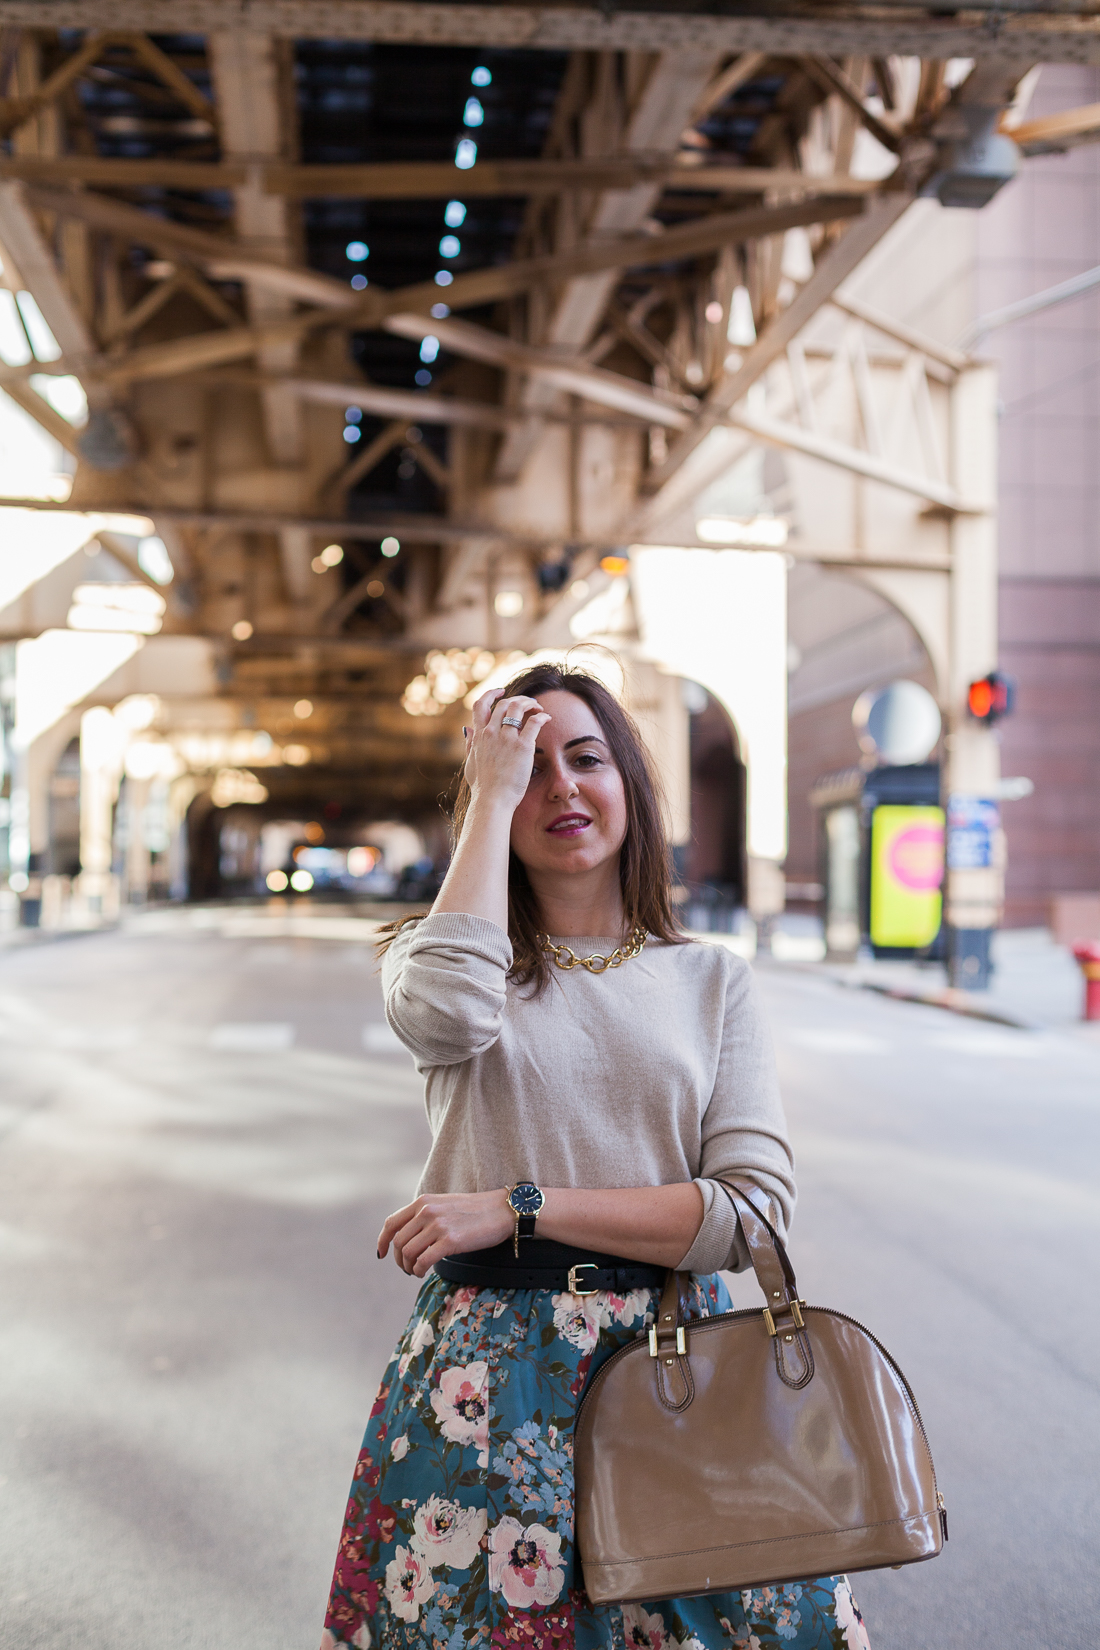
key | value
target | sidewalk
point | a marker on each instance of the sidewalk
(1036, 985)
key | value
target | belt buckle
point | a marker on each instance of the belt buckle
(584, 1266)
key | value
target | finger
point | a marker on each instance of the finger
(439, 1250)
(399, 1218)
(535, 720)
(416, 1246)
(397, 1227)
(519, 706)
(483, 708)
(402, 1239)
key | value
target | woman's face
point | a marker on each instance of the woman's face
(573, 816)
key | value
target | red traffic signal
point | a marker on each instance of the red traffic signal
(991, 697)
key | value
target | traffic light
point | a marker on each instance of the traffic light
(991, 697)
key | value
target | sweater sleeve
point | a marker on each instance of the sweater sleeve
(444, 981)
(744, 1134)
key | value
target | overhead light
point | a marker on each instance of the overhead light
(233, 786)
(465, 154)
(241, 631)
(454, 214)
(443, 277)
(615, 565)
(714, 312)
(376, 588)
(446, 678)
(277, 881)
(296, 755)
(508, 603)
(358, 282)
(357, 251)
(303, 708)
(332, 555)
(439, 312)
(390, 546)
(482, 76)
(472, 115)
(429, 348)
(423, 378)
(352, 433)
(450, 246)
(765, 532)
(301, 882)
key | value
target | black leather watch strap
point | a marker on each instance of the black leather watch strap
(526, 1225)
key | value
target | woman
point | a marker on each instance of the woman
(582, 1119)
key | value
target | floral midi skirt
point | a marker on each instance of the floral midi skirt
(459, 1528)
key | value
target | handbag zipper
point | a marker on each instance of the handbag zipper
(698, 1324)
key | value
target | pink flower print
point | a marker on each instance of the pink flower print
(461, 1402)
(577, 1319)
(447, 1533)
(400, 1447)
(631, 1307)
(642, 1629)
(848, 1618)
(456, 1306)
(409, 1583)
(525, 1563)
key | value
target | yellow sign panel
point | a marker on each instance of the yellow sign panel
(906, 875)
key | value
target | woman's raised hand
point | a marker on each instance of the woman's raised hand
(499, 755)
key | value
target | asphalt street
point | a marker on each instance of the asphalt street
(203, 1121)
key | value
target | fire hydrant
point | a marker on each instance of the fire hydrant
(1088, 956)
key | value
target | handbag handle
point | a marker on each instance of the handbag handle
(783, 1317)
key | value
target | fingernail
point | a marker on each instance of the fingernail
(465, 733)
(380, 1254)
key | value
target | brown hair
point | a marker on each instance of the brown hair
(645, 868)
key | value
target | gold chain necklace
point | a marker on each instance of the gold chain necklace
(597, 963)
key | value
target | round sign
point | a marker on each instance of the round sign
(899, 724)
(916, 858)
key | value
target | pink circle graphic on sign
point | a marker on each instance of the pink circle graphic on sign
(916, 857)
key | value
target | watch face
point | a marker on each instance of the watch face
(526, 1199)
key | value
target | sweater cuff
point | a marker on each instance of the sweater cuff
(477, 935)
(718, 1244)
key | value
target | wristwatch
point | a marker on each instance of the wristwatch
(525, 1201)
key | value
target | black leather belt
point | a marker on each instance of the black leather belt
(543, 1264)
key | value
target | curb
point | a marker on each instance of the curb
(949, 998)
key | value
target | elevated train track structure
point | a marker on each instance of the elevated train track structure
(491, 297)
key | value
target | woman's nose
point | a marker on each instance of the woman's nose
(562, 784)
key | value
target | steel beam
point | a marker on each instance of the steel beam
(1033, 32)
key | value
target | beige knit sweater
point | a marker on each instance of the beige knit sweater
(656, 1073)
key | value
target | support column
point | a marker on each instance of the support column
(974, 893)
(101, 742)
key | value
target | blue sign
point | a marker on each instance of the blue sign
(972, 824)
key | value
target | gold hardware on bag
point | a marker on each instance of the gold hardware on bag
(574, 1286)
(794, 1307)
(681, 1340)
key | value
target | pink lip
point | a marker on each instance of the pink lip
(569, 825)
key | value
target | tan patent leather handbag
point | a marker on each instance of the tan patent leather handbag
(750, 1447)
